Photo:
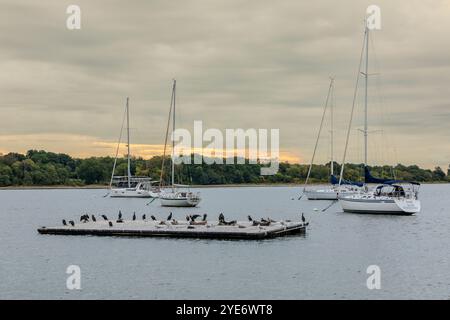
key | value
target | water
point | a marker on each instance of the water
(329, 262)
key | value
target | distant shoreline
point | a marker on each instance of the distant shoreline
(243, 185)
(192, 186)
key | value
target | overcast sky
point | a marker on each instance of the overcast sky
(238, 64)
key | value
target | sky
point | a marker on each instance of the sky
(238, 64)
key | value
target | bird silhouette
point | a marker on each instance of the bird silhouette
(303, 218)
(120, 214)
(134, 216)
(169, 217)
(204, 217)
(153, 217)
(104, 217)
(72, 223)
(221, 217)
(64, 222)
(93, 218)
(143, 217)
(249, 218)
(188, 217)
(110, 224)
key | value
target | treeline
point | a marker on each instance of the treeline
(41, 168)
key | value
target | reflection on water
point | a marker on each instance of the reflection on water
(330, 261)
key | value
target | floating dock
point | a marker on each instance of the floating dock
(210, 230)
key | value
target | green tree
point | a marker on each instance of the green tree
(6, 175)
(91, 171)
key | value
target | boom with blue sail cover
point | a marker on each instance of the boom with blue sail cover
(368, 178)
(334, 181)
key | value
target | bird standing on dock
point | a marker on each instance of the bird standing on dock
(249, 218)
(93, 218)
(153, 217)
(134, 216)
(169, 217)
(144, 216)
(303, 218)
(104, 217)
(72, 223)
(120, 214)
(188, 217)
(64, 222)
(226, 223)
(204, 217)
(110, 224)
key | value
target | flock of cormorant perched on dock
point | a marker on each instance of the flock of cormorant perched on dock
(191, 219)
(195, 225)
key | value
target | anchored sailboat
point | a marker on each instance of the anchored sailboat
(390, 196)
(129, 186)
(171, 196)
(345, 187)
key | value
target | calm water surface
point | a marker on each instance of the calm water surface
(329, 262)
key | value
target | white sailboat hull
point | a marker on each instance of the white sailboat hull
(179, 199)
(380, 205)
(321, 194)
(182, 202)
(129, 193)
(329, 193)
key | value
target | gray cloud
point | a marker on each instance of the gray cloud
(260, 64)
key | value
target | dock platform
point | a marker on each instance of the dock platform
(211, 230)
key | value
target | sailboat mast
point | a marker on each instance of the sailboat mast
(173, 130)
(128, 145)
(366, 132)
(358, 76)
(332, 129)
(318, 134)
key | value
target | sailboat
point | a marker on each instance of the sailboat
(172, 196)
(390, 196)
(130, 186)
(345, 187)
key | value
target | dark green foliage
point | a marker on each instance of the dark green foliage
(48, 168)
